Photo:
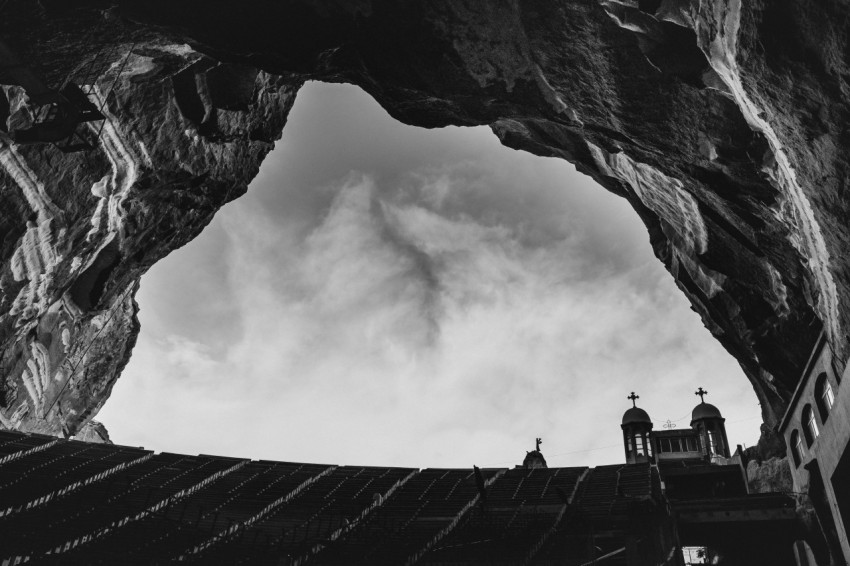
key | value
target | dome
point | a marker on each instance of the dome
(636, 415)
(534, 459)
(705, 411)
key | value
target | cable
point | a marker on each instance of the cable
(561, 454)
(744, 420)
(88, 347)
(604, 447)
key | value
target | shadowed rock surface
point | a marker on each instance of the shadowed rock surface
(724, 124)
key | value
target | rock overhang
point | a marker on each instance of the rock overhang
(730, 154)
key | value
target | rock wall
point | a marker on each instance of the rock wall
(724, 124)
(184, 134)
(769, 476)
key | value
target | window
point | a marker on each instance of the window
(664, 445)
(641, 446)
(824, 397)
(692, 444)
(712, 442)
(810, 425)
(694, 555)
(797, 448)
(828, 396)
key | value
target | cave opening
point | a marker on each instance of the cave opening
(389, 295)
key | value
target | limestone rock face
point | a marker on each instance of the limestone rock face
(769, 476)
(184, 134)
(93, 431)
(722, 122)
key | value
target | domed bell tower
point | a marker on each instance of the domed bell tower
(534, 459)
(637, 433)
(709, 424)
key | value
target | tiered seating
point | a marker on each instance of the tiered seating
(535, 487)
(322, 508)
(576, 542)
(180, 474)
(521, 507)
(274, 482)
(595, 524)
(105, 504)
(94, 507)
(15, 442)
(231, 499)
(610, 489)
(58, 467)
(408, 520)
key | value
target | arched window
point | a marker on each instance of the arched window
(797, 448)
(810, 425)
(712, 442)
(641, 446)
(824, 396)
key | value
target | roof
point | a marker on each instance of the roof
(534, 455)
(636, 415)
(705, 411)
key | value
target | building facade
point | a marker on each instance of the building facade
(816, 428)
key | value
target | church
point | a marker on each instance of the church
(680, 497)
(707, 491)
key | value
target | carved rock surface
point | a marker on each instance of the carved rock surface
(723, 123)
(769, 476)
(184, 135)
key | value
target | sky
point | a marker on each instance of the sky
(395, 296)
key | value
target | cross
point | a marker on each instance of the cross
(538, 441)
(701, 392)
(633, 397)
(669, 424)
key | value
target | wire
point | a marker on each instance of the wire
(585, 450)
(607, 446)
(561, 454)
(88, 347)
(744, 420)
(683, 417)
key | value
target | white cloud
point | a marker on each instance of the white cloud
(444, 314)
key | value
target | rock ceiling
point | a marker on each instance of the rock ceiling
(724, 124)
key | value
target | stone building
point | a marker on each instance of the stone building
(816, 428)
(706, 439)
(706, 491)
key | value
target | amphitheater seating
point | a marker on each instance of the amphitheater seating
(12, 443)
(520, 508)
(408, 520)
(609, 490)
(72, 502)
(311, 518)
(595, 524)
(60, 466)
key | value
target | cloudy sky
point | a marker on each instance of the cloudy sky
(390, 295)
